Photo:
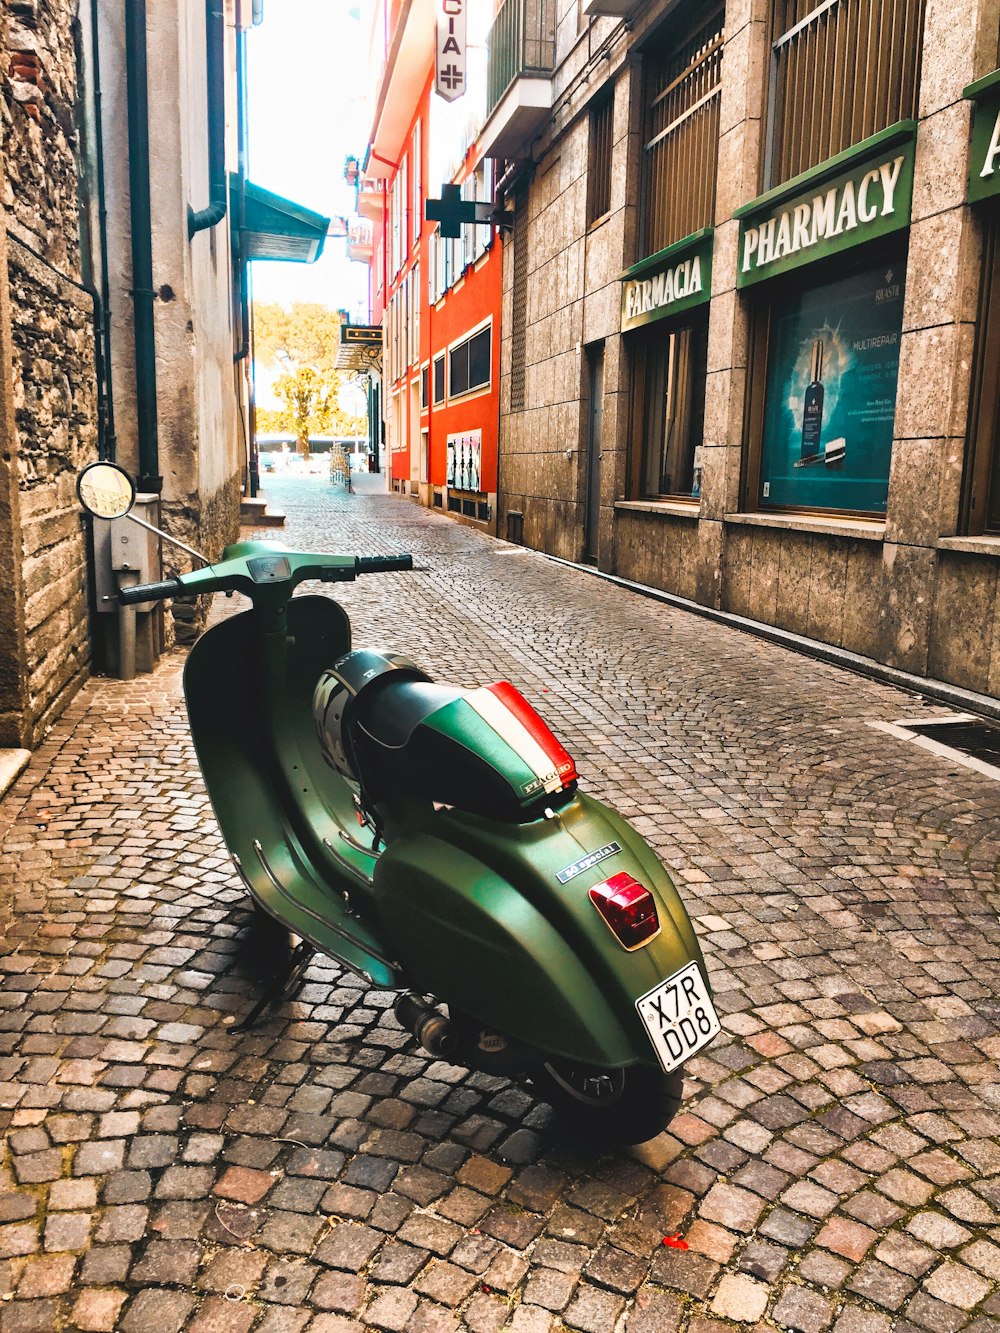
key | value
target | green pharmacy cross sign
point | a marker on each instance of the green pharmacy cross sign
(453, 212)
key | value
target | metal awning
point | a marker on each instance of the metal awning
(360, 348)
(275, 227)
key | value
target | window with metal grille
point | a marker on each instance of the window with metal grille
(519, 303)
(841, 70)
(669, 408)
(681, 134)
(469, 364)
(599, 166)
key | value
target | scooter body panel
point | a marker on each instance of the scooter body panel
(479, 912)
(281, 810)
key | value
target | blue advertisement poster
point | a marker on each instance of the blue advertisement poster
(833, 362)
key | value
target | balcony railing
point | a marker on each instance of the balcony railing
(521, 41)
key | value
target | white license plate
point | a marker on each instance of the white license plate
(679, 1016)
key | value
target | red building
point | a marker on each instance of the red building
(437, 299)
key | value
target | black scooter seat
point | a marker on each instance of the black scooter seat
(389, 714)
(399, 750)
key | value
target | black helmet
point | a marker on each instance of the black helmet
(338, 687)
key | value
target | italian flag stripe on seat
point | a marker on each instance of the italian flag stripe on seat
(514, 720)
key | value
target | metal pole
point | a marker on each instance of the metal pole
(126, 627)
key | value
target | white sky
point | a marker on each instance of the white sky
(307, 85)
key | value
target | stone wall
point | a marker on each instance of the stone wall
(50, 358)
(38, 135)
(55, 414)
(209, 528)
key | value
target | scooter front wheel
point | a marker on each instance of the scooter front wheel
(610, 1105)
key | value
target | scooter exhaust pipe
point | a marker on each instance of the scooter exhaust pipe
(435, 1033)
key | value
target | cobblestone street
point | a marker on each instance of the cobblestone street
(837, 1161)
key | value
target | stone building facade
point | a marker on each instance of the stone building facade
(70, 378)
(48, 407)
(751, 321)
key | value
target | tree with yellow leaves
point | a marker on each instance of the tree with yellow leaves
(303, 341)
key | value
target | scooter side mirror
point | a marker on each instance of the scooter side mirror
(106, 490)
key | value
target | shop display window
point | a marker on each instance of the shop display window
(982, 489)
(669, 409)
(827, 359)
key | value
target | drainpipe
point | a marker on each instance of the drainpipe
(104, 300)
(241, 266)
(143, 295)
(215, 64)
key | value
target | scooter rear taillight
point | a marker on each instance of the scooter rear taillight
(628, 908)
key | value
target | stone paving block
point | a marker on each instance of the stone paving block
(955, 1284)
(349, 1246)
(485, 1313)
(340, 1292)
(164, 1262)
(287, 1282)
(105, 1264)
(39, 1316)
(854, 1319)
(216, 1314)
(18, 1239)
(881, 1285)
(391, 1309)
(924, 1312)
(593, 1310)
(67, 1231)
(233, 1269)
(803, 1310)
(47, 1275)
(733, 1208)
(740, 1298)
(97, 1311)
(17, 1205)
(156, 1310)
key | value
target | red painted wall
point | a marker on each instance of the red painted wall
(463, 309)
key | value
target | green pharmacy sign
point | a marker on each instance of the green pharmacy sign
(852, 198)
(984, 159)
(669, 282)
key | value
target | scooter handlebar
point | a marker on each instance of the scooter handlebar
(149, 592)
(383, 564)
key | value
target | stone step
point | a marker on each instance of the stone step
(255, 514)
(12, 764)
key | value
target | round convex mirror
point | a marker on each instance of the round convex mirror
(106, 490)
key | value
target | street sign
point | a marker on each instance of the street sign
(449, 65)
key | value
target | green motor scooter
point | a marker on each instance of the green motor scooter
(434, 840)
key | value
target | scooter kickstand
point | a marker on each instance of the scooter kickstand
(284, 987)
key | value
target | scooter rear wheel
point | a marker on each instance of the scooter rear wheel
(611, 1105)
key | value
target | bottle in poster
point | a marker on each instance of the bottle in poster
(812, 408)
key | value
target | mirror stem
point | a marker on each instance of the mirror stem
(167, 538)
